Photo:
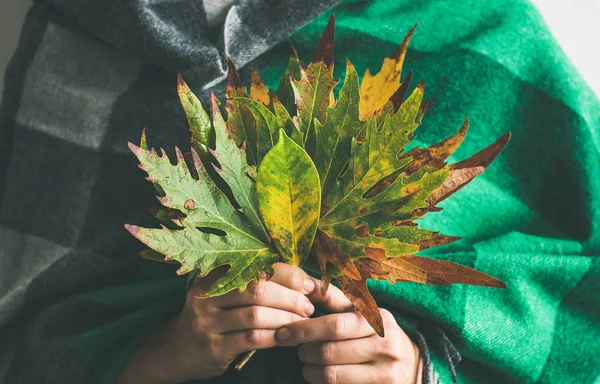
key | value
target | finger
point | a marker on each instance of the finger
(334, 300)
(338, 326)
(253, 317)
(356, 351)
(248, 340)
(341, 374)
(267, 294)
(292, 277)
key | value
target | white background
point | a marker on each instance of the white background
(575, 24)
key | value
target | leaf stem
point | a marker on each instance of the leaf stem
(244, 358)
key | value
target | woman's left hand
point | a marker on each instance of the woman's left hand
(342, 348)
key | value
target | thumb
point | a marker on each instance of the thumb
(333, 301)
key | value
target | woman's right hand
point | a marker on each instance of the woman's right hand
(210, 333)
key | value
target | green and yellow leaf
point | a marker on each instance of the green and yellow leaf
(289, 199)
(313, 90)
(198, 119)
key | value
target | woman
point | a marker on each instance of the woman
(77, 306)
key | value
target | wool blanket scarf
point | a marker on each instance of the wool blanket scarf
(75, 299)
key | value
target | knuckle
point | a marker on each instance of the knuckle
(331, 375)
(252, 336)
(387, 317)
(257, 292)
(252, 316)
(338, 325)
(327, 353)
(297, 281)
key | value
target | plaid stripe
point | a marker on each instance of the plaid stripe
(89, 75)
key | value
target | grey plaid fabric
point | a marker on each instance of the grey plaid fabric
(87, 76)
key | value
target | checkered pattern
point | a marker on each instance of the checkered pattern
(74, 298)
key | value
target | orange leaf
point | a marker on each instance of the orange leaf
(358, 293)
(485, 157)
(437, 240)
(435, 156)
(328, 252)
(426, 271)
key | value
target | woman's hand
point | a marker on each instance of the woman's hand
(342, 348)
(207, 336)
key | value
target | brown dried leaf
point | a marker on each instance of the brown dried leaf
(234, 87)
(426, 271)
(325, 282)
(398, 97)
(437, 240)
(485, 157)
(328, 252)
(358, 293)
(458, 178)
(435, 156)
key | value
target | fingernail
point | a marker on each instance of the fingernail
(309, 284)
(309, 309)
(283, 334)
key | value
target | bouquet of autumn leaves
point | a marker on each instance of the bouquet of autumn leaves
(298, 176)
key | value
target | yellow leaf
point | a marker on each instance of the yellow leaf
(289, 198)
(258, 89)
(375, 91)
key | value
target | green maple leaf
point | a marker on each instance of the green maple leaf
(316, 84)
(213, 232)
(373, 192)
(200, 126)
(285, 92)
(334, 137)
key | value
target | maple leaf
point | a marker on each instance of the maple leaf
(213, 231)
(373, 192)
(316, 83)
(334, 185)
(198, 120)
(240, 123)
(285, 92)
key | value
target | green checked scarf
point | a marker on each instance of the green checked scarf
(75, 300)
